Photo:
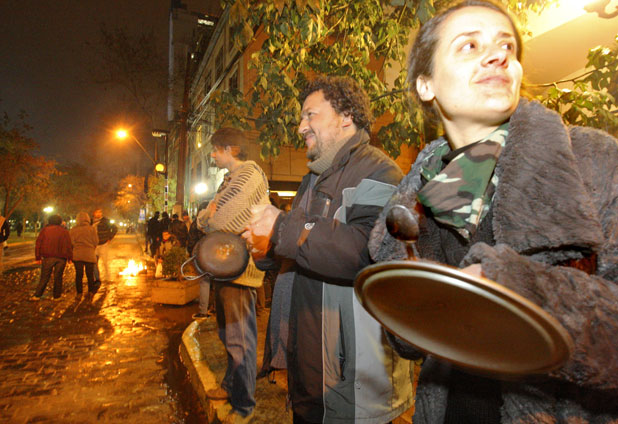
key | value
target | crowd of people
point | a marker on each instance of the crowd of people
(86, 245)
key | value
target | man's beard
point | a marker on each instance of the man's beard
(316, 151)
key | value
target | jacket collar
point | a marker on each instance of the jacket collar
(541, 203)
(343, 156)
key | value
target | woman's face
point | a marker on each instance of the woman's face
(476, 74)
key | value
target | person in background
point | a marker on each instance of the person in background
(106, 231)
(179, 229)
(187, 220)
(85, 240)
(152, 233)
(340, 367)
(195, 234)
(245, 185)
(19, 228)
(164, 223)
(513, 194)
(53, 249)
(5, 232)
(168, 240)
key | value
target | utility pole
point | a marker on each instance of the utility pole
(163, 134)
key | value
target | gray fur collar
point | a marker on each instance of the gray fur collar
(541, 207)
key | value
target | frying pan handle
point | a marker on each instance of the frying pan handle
(190, 277)
(402, 223)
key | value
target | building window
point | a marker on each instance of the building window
(234, 81)
(207, 83)
(230, 41)
(219, 65)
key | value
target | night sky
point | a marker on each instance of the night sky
(45, 69)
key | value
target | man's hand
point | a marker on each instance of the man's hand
(259, 230)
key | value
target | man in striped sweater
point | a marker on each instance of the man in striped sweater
(244, 186)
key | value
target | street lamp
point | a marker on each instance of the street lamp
(121, 134)
(160, 167)
(48, 209)
(200, 188)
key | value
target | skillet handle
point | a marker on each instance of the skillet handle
(190, 277)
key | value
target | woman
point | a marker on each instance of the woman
(85, 240)
(512, 194)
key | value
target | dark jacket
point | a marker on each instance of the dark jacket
(5, 230)
(179, 229)
(105, 230)
(164, 225)
(556, 202)
(339, 367)
(195, 234)
(53, 242)
(153, 227)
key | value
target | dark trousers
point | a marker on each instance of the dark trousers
(79, 276)
(49, 265)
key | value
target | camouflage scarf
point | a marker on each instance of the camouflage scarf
(460, 193)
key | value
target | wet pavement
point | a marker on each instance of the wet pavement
(110, 359)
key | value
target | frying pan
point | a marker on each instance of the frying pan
(220, 256)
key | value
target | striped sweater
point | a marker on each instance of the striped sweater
(241, 189)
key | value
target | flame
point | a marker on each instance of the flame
(133, 268)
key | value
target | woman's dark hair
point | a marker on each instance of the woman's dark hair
(421, 59)
(230, 137)
(346, 96)
(55, 220)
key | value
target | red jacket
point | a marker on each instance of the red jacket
(53, 241)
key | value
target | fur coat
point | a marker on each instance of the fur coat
(556, 201)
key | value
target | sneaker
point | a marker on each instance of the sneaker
(35, 298)
(217, 394)
(236, 417)
(200, 316)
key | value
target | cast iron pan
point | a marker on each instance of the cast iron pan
(221, 256)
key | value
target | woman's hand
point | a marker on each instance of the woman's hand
(475, 270)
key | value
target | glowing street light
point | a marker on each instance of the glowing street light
(121, 134)
(200, 188)
(48, 209)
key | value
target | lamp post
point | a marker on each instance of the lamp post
(163, 134)
(159, 167)
(122, 134)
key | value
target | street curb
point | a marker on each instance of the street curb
(201, 377)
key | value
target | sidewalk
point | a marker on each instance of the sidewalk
(204, 356)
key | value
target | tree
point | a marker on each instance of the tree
(75, 189)
(130, 197)
(135, 65)
(592, 100)
(156, 191)
(24, 176)
(336, 37)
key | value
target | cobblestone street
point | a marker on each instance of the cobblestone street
(112, 359)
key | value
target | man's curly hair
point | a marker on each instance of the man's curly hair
(346, 96)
